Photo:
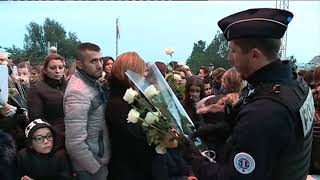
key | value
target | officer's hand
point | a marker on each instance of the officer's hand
(190, 151)
(203, 131)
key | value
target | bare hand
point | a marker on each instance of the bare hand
(170, 140)
(232, 98)
(211, 108)
(310, 178)
(26, 178)
(192, 178)
(8, 110)
(102, 78)
(202, 102)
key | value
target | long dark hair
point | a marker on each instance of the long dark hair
(193, 81)
(106, 59)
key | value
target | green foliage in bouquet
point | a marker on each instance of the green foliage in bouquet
(176, 88)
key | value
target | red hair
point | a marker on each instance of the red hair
(51, 57)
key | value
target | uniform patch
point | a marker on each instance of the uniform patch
(244, 163)
(307, 113)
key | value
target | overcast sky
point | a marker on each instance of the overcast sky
(149, 27)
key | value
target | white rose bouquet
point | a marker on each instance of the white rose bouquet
(157, 109)
(152, 121)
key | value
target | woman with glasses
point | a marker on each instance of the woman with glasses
(39, 160)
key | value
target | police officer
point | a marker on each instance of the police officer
(271, 136)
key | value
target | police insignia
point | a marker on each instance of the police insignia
(307, 113)
(244, 163)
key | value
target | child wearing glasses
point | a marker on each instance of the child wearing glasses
(39, 160)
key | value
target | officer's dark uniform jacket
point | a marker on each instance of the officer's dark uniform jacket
(267, 141)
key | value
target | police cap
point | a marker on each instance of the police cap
(256, 23)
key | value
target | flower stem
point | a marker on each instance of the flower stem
(154, 127)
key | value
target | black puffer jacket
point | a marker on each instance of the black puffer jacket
(15, 125)
(170, 166)
(54, 165)
(7, 157)
(131, 155)
(45, 101)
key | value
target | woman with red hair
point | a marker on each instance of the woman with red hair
(45, 99)
(131, 155)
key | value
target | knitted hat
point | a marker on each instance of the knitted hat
(35, 125)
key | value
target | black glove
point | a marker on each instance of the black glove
(190, 151)
(221, 128)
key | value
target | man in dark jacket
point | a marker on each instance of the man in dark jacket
(271, 137)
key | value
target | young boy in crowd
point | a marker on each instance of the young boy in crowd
(39, 160)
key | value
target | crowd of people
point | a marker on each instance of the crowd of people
(71, 122)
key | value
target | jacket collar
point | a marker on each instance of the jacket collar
(92, 82)
(118, 87)
(53, 82)
(276, 71)
(85, 77)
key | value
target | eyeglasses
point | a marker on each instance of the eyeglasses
(40, 139)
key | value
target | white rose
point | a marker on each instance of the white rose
(133, 116)
(169, 51)
(151, 91)
(150, 118)
(130, 95)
